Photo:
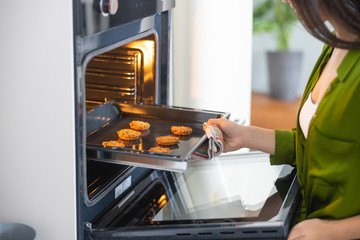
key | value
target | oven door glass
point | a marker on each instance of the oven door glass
(221, 189)
(227, 197)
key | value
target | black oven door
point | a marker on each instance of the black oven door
(229, 197)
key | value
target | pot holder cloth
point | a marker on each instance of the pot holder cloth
(212, 147)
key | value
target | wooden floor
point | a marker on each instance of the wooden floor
(272, 113)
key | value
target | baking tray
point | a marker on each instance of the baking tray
(104, 121)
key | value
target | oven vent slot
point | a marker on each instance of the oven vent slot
(227, 233)
(183, 234)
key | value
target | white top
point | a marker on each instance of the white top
(306, 115)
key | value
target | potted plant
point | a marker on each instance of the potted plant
(284, 66)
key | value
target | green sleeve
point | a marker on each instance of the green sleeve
(284, 147)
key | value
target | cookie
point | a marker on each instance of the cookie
(113, 144)
(128, 134)
(181, 130)
(160, 149)
(167, 140)
(139, 125)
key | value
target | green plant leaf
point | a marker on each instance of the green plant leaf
(275, 17)
(263, 26)
(263, 9)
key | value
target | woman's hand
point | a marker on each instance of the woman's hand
(231, 132)
(237, 136)
(340, 229)
(316, 229)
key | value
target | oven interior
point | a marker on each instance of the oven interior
(124, 74)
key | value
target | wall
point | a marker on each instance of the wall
(212, 55)
(37, 166)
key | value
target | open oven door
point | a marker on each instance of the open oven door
(229, 197)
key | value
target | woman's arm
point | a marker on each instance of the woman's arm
(261, 139)
(237, 136)
(342, 229)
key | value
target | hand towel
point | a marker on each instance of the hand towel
(213, 146)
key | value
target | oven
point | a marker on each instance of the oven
(122, 73)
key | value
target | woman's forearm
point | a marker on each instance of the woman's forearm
(237, 136)
(315, 228)
(347, 228)
(260, 139)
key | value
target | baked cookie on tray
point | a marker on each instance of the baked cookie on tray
(167, 140)
(139, 125)
(113, 144)
(181, 130)
(160, 149)
(128, 134)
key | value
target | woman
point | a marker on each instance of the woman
(325, 146)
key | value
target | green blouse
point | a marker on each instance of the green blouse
(328, 161)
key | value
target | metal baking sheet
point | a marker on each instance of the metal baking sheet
(104, 121)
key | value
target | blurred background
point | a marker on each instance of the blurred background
(212, 56)
(220, 62)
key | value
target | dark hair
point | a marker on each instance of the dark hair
(345, 12)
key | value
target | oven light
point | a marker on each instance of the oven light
(162, 198)
(162, 203)
(147, 48)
